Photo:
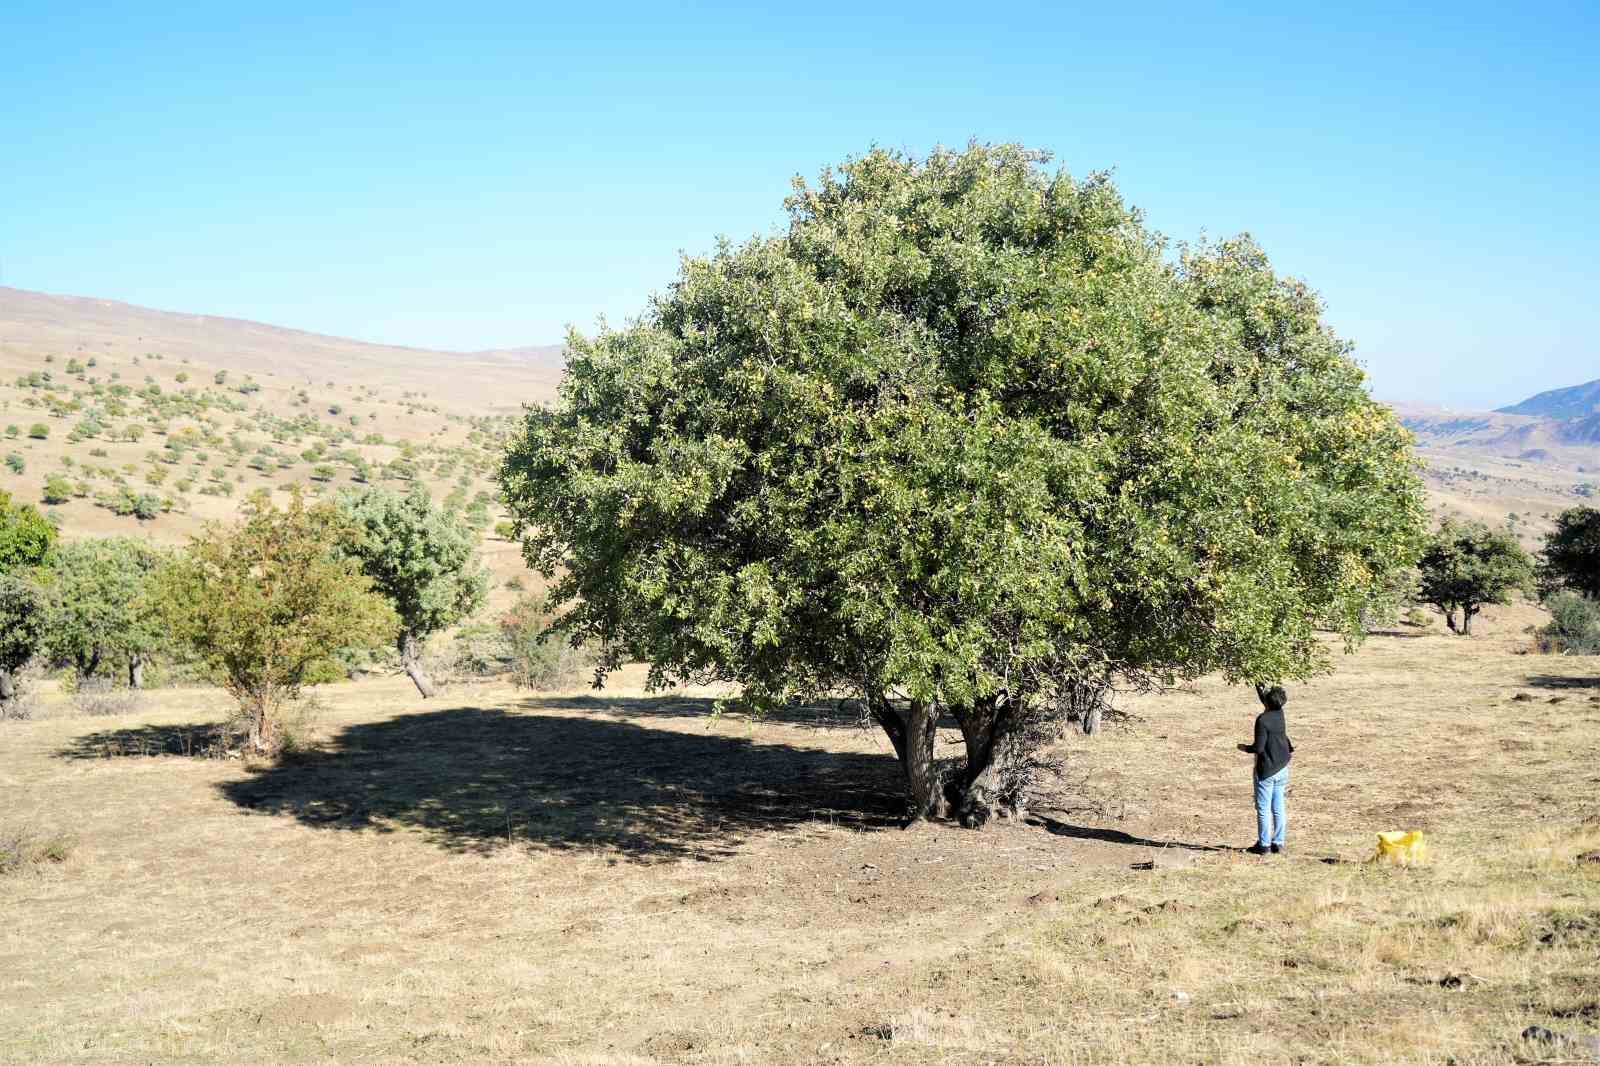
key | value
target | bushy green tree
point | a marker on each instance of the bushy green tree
(57, 489)
(963, 439)
(423, 559)
(263, 600)
(1574, 626)
(100, 608)
(1571, 556)
(26, 536)
(1466, 566)
(21, 630)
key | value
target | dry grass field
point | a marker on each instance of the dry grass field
(614, 878)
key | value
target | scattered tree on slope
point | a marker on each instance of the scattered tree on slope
(1571, 556)
(262, 600)
(423, 559)
(1466, 566)
(98, 606)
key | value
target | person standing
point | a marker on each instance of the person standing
(1272, 750)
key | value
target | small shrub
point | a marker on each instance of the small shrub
(1574, 627)
(39, 431)
(540, 659)
(15, 463)
(24, 848)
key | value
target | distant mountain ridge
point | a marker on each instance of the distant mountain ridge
(1555, 425)
(1577, 401)
(34, 324)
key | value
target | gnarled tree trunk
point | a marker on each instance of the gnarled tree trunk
(913, 735)
(996, 750)
(135, 670)
(8, 693)
(1450, 618)
(1468, 612)
(411, 662)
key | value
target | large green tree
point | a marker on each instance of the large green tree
(26, 536)
(99, 606)
(963, 438)
(424, 559)
(1571, 556)
(260, 601)
(1466, 566)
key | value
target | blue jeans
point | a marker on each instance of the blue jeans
(1269, 808)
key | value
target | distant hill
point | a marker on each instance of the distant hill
(34, 324)
(1578, 401)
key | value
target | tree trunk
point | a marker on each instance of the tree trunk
(995, 749)
(135, 671)
(413, 667)
(8, 694)
(1450, 618)
(88, 663)
(1091, 718)
(258, 728)
(922, 776)
(1467, 614)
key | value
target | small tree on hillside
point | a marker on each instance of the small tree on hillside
(57, 489)
(1571, 556)
(1466, 566)
(962, 440)
(262, 600)
(26, 536)
(424, 560)
(99, 607)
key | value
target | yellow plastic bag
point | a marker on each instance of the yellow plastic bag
(1404, 848)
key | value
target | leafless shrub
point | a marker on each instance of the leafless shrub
(24, 704)
(98, 698)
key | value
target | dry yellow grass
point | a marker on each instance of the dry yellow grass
(614, 879)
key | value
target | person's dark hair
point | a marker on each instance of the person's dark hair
(1272, 698)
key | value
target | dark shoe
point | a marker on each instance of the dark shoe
(1277, 849)
(1256, 849)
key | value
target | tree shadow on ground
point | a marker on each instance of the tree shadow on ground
(1114, 836)
(475, 779)
(1559, 682)
(832, 714)
(147, 740)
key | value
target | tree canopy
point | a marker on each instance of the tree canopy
(260, 601)
(26, 536)
(963, 436)
(98, 604)
(424, 559)
(1571, 556)
(1466, 566)
(21, 630)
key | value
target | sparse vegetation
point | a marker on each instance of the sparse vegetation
(25, 848)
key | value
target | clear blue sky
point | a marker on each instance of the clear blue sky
(467, 176)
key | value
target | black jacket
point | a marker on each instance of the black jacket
(1271, 745)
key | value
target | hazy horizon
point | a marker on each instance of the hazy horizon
(473, 181)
